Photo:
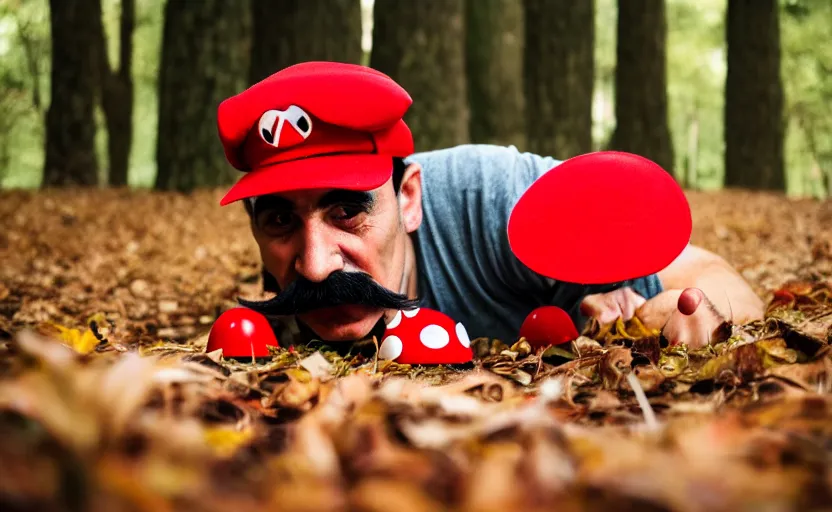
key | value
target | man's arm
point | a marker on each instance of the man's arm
(725, 296)
(727, 291)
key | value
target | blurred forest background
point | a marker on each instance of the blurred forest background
(732, 93)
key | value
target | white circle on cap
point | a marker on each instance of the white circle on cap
(391, 348)
(462, 334)
(434, 336)
(395, 321)
(411, 313)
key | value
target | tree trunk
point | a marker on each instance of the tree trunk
(754, 97)
(117, 95)
(692, 160)
(494, 60)
(70, 122)
(293, 31)
(421, 45)
(205, 57)
(559, 69)
(641, 82)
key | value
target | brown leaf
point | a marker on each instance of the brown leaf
(614, 365)
(748, 362)
(377, 495)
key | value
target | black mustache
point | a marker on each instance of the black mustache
(339, 288)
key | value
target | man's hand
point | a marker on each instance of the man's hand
(608, 307)
(684, 316)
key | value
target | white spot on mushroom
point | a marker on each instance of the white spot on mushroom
(395, 321)
(411, 313)
(434, 336)
(462, 334)
(391, 348)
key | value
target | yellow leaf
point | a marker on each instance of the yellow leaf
(83, 343)
(299, 374)
(226, 441)
(98, 318)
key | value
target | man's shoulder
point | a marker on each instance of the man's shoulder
(465, 150)
(483, 164)
(475, 155)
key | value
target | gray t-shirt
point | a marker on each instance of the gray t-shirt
(465, 264)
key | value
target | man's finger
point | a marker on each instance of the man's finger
(696, 329)
(630, 303)
(600, 307)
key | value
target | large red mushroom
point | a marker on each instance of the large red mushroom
(558, 223)
(425, 336)
(241, 333)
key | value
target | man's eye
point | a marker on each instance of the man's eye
(346, 212)
(275, 222)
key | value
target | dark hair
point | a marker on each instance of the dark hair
(398, 172)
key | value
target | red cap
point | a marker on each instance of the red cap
(315, 125)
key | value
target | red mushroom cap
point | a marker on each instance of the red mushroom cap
(241, 332)
(425, 336)
(557, 224)
(548, 325)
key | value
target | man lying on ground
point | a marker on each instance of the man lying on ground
(353, 226)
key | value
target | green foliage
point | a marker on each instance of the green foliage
(24, 90)
(696, 83)
(806, 68)
(696, 76)
(147, 40)
(603, 105)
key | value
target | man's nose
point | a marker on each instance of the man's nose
(318, 256)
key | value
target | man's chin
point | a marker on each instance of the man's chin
(342, 323)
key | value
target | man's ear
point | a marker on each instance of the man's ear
(410, 197)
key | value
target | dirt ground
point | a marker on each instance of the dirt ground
(108, 401)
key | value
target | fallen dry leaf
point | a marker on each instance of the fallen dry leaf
(108, 401)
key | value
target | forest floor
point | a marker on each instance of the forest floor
(109, 402)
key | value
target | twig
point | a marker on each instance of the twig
(646, 410)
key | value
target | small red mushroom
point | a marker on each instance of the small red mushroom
(548, 325)
(425, 336)
(241, 333)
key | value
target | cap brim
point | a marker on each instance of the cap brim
(601, 218)
(350, 172)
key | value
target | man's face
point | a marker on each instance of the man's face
(312, 233)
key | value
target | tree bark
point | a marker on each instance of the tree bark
(754, 125)
(293, 31)
(421, 45)
(116, 88)
(70, 158)
(205, 57)
(559, 74)
(641, 82)
(494, 61)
